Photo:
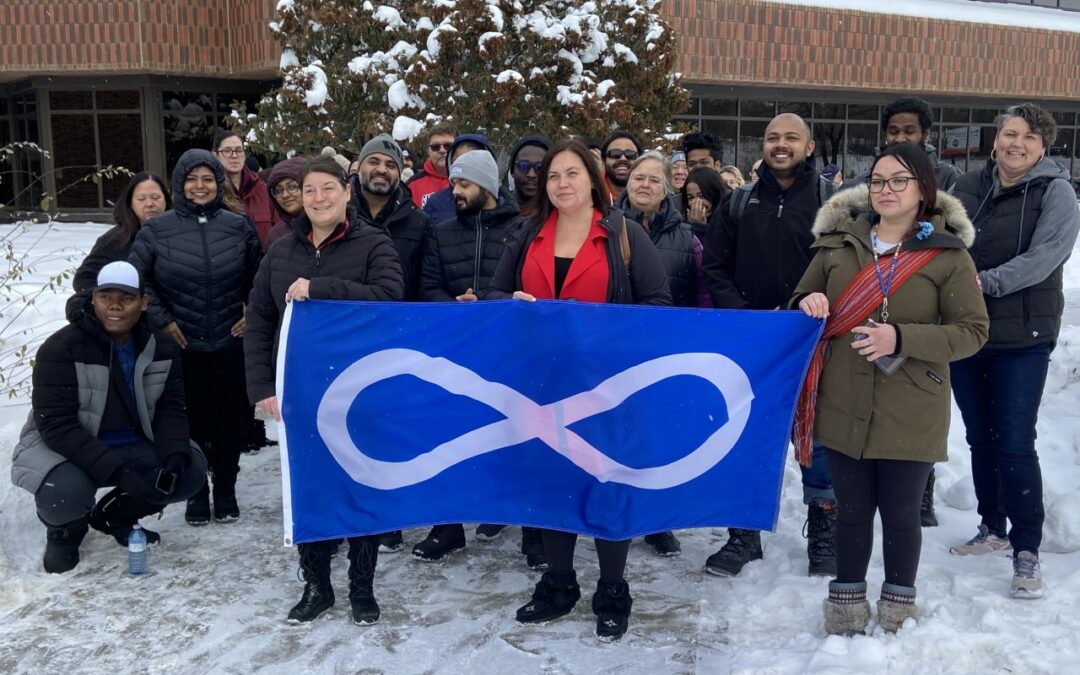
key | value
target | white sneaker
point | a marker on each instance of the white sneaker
(1027, 581)
(982, 543)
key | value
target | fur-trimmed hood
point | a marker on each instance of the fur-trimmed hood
(839, 213)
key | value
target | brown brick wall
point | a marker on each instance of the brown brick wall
(177, 37)
(751, 42)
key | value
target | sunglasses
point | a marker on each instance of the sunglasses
(619, 154)
(524, 167)
(281, 188)
(435, 147)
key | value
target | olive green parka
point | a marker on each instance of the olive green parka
(940, 317)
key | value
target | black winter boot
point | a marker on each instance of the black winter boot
(363, 557)
(553, 597)
(318, 594)
(225, 507)
(197, 512)
(926, 512)
(117, 512)
(665, 543)
(742, 546)
(62, 546)
(532, 546)
(611, 604)
(820, 533)
(440, 542)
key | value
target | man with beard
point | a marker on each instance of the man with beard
(462, 254)
(620, 150)
(525, 160)
(756, 250)
(382, 199)
(432, 177)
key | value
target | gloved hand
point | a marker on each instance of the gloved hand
(170, 474)
(133, 483)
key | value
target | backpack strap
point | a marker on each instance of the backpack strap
(624, 245)
(739, 199)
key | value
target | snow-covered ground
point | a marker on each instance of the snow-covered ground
(216, 597)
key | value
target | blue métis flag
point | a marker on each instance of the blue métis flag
(605, 420)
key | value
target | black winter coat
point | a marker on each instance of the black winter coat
(362, 265)
(645, 283)
(407, 226)
(463, 253)
(56, 395)
(674, 240)
(198, 262)
(757, 262)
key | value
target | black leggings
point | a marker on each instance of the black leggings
(559, 547)
(893, 487)
(218, 409)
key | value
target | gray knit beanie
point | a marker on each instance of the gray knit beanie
(383, 144)
(477, 167)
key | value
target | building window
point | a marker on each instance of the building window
(193, 118)
(22, 176)
(92, 130)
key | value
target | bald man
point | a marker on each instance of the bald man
(756, 250)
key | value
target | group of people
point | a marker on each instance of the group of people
(928, 282)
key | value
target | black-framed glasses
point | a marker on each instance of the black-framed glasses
(523, 166)
(230, 152)
(619, 154)
(896, 183)
(435, 147)
(292, 187)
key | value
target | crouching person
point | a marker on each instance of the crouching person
(108, 410)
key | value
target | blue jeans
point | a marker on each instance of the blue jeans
(998, 391)
(816, 480)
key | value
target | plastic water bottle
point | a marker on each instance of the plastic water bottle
(137, 550)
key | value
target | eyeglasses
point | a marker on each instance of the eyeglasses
(896, 183)
(231, 152)
(281, 188)
(523, 167)
(435, 147)
(619, 154)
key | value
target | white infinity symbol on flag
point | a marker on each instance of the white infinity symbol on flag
(526, 419)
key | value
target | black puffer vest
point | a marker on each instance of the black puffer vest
(1004, 224)
(674, 240)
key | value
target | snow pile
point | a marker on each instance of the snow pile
(216, 597)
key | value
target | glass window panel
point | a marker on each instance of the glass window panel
(184, 132)
(118, 100)
(800, 109)
(863, 112)
(957, 141)
(26, 104)
(3, 105)
(727, 107)
(187, 101)
(861, 144)
(984, 115)
(829, 111)
(1067, 118)
(955, 115)
(123, 149)
(751, 134)
(71, 100)
(694, 106)
(978, 157)
(1070, 4)
(753, 108)
(1076, 159)
(829, 142)
(74, 158)
(726, 131)
(7, 177)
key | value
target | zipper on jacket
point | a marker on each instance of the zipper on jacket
(780, 208)
(204, 224)
(476, 258)
(318, 258)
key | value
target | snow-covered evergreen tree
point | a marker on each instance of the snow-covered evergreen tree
(505, 67)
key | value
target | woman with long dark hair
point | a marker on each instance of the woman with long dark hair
(898, 291)
(568, 229)
(329, 254)
(1026, 223)
(145, 196)
(701, 196)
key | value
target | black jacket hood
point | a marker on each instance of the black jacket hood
(186, 164)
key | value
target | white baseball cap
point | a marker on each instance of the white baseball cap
(119, 275)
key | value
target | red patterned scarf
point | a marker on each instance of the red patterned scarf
(855, 304)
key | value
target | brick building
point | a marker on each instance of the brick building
(136, 82)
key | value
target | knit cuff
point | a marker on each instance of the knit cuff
(847, 594)
(901, 595)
